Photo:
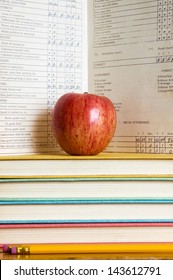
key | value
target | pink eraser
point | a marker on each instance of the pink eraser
(5, 248)
(14, 250)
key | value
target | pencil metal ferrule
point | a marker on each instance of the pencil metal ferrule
(23, 250)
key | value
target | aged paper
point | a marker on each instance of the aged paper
(41, 57)
(43, 52)
(131, 61)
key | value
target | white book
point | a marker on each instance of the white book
(86, 233)
(86, 190)
(104, 164)
(120, 49)
(84, 213)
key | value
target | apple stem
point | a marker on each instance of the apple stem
(85, 92)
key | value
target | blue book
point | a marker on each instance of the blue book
(86, 213)
(87, 190)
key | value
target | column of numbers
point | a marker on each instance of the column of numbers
(70, 41)
(78, 49)
(164, 19)
(69, 44)
(52, 63)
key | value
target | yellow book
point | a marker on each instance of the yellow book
(103, 165)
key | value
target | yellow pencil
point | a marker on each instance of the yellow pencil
(93, 248)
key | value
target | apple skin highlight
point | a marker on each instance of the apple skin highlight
(83, 124)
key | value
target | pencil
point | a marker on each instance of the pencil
(93, 248)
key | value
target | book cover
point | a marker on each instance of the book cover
(72, 201)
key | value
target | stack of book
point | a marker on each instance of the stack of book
(103, 199)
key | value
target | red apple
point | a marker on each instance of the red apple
(83, 124)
